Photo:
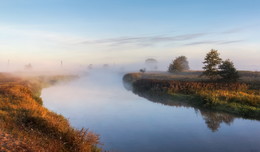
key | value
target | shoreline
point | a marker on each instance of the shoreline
(23, 116)
(233, 98)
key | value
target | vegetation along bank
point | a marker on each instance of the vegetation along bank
(237, 98)
(23, 117)
(219, 87)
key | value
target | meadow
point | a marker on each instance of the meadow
(240, 98)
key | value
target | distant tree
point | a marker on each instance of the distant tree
(227, 71)
(28, 66)
(179, 64)
(150, 60)
(151, 63)
(211, 63)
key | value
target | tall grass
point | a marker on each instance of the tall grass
(186, 87)
(22, 114)
(236, 98)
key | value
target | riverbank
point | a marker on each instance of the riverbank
(25, 121)
(241, 98)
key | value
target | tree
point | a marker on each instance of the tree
(179, 64)
(151, 63)
(228, 72)
(212, 60)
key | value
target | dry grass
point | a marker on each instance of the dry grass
(241, 98)
(245, 76)
(187, 76)
(22, 115)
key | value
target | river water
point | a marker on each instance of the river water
(127, 122)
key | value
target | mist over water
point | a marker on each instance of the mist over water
(127, 122)
(64, 68)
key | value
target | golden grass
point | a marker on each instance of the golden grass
(240, 98)
(22, 114)
(245, 76)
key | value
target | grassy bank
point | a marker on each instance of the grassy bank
(23, 116)
(241, 98)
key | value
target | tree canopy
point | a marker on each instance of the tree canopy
(227, 71)
(211, 63)
(179, 64)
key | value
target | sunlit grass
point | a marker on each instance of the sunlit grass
(240, 98)
(22, 114)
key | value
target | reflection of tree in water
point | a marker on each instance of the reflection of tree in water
(212, 119)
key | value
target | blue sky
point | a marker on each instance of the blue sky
(129, 31)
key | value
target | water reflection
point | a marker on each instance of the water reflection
(212, 119)
(127, 122)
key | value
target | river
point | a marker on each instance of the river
(127, 122)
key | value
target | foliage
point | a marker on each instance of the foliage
(212, 60)
(179, 64)
(227, 71)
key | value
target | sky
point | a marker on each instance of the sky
(82, 32)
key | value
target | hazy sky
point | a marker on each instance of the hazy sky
(129, 31)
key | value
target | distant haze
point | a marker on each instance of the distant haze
(126, 33)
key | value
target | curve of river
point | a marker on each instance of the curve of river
(127, 122)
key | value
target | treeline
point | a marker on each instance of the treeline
(214, 67)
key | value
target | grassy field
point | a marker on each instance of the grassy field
(23, 116)
(241, 98)
(245, 76)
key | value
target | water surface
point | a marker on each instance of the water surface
(127, 122)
